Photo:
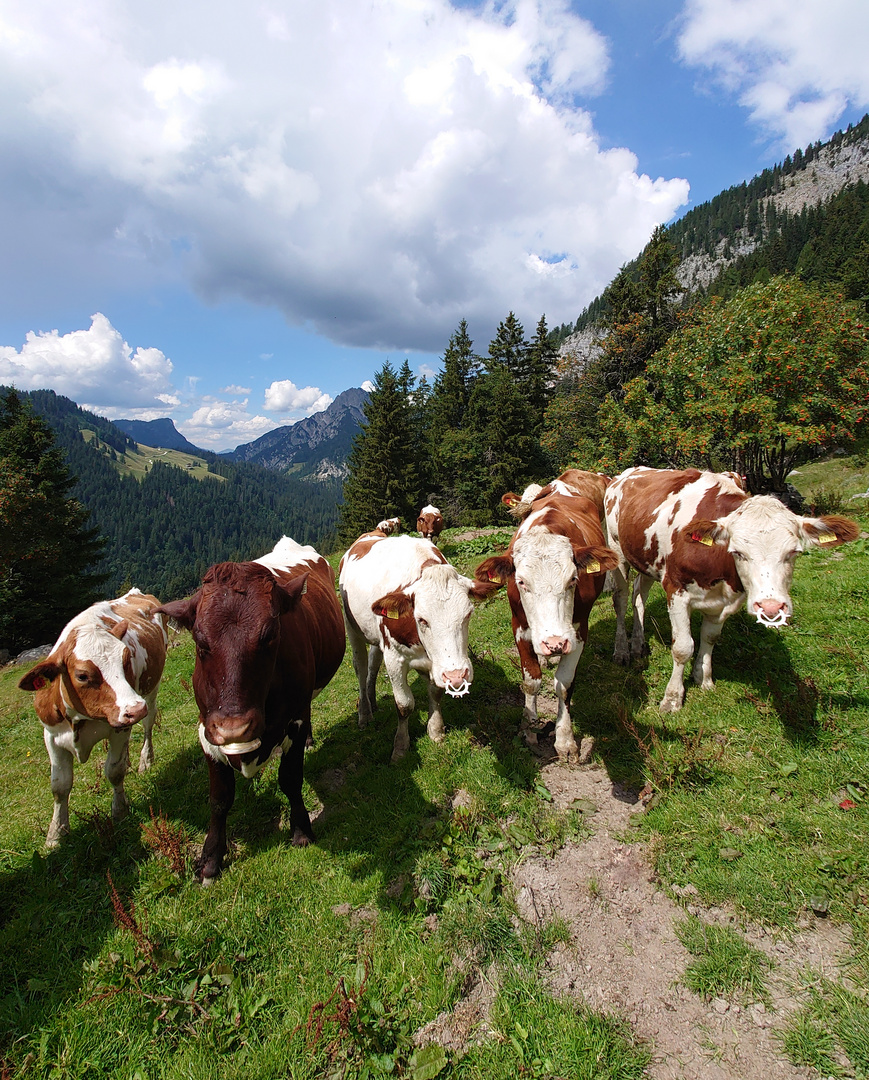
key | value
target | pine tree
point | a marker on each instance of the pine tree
(383, 480)
(508, 347)
(541, 357)
(47, 554)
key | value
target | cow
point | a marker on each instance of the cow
(100, 678)
(430, 524)
(590, 485)
(269, 637)
(714, 548)
(407, 607)
(554, 570)
(388, 526)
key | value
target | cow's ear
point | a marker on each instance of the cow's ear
(119, 629)
(482, 590)
(595, 560)
(496, 570)
(829, 531)
(510, 499)
(293, 591)
(181, 612)
(707, 533)
(40, 676)
(393, 606)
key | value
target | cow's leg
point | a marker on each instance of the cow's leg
(397, 670)
(565, 742)
(61, 786)
(375, 659)
(115, 768)
(683, 650)
(710, 632)
(290, 774)
(620, 578)
(638, 633)
(221, 796)
(531, 679)
(359, 647)
(436, 730)
(146, 758)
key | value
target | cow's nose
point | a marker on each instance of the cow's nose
(456, 678)
(554, 646)
(222, 730)
(771, 611)
(133, 713)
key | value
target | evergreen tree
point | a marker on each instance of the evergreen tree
(46, 552)
(508, 347)
(383, 480)
(541, 358)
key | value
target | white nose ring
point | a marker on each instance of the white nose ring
(459, 691)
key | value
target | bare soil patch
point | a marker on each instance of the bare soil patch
(624, 956)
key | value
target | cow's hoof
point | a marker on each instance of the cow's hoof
(301, 838)
(145, 764)
(622, 658)
(670, 704)
(568, 752)
(586, 749)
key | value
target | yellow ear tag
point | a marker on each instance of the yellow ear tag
(593, 567)
(706, 541)
(511, 502)
(827, 539)
(392, 613)
(494, 578)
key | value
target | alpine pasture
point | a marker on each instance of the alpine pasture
(347, 958)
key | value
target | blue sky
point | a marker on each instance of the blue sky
(227, 213)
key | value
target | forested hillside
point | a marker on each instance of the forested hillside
(164, 530)
(808, 214)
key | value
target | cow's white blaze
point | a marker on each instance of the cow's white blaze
(442, 609)
(545, 575)
(94, 642)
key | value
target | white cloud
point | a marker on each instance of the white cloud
(376, 171)
(285, 397)
(794, 64)
(235, 389)
(222, 424)
(94, 367)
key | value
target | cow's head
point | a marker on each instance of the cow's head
(236, 623)
(544, 569)
(764, 538)
(435, 611)
(89, 673)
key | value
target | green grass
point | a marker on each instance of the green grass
(405, 901)
(724, 963)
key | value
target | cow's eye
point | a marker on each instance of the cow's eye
(738, 556)
(520, 582)
(423, 622)
(81, 676)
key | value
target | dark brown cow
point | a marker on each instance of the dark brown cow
(554, 570)
(269, 636)
(430, 524)
(714, 548)
(99, 679)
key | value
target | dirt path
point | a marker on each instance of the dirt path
(624, 955)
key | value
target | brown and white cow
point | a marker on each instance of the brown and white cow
(714, 548)
(99, 679)
(430, 524)
(554, 570)
(388, 526)
(407, 607)
(269, 636)
(589, 485)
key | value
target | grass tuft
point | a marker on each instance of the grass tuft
(724, 963)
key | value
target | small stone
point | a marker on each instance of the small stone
(720, 1006)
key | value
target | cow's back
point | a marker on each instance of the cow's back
(312, 633)
(646, 508)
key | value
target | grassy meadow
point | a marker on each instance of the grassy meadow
(325, 962)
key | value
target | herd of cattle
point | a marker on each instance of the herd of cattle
(270, 634)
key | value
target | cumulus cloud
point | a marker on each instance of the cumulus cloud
(285, 397)
(224, 424)
(94, 367)
(377, 172)
(796, 65)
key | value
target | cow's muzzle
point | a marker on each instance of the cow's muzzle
(457, 683)
(554, 646)
(771, 612)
